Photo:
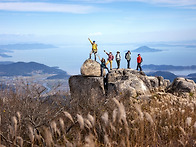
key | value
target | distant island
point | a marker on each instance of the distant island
(192, 75)
(29, 69)
(5, 56)
(165, 74)
(168, 67)
(25, 46)
(171, 76)
(144, 49)
(165, 71)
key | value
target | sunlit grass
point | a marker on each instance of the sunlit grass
(29, 119)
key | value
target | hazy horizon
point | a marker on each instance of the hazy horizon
(113, 24)
(70, 60)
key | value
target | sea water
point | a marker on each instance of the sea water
(71, 57)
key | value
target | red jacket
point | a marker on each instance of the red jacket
(139, 59)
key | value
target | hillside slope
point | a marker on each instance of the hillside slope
(28, 69)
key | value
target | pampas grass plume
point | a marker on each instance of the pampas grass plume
(195, 126)
(182, 130)
(19, 116)
(89, 141)
(62, 123)
(114, 115)
(122, 113)
(20, 141)
(88, 123)
(104, 117)
(149, 118)
(139, 110)
(106, 141)
(14, 122)
(31, 134)
(188, 121)
(53, 126)
(116, 101)
(68, 115)
(80, 121)
(91, 119)
(48, 138)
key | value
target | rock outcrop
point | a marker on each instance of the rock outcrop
(122, 83)
(132, 83)
(180, 85)
(83, 87)
(91, 68)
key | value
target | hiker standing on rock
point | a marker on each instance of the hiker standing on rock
(118, 58)
(139, 61)
(94, 48)
(128, 58)
(110, 59)
(103, 65)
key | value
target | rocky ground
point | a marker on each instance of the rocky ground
(124, 83)
(126, 108)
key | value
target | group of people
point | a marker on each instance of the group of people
(111, 58)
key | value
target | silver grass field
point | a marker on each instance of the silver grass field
(29, 119)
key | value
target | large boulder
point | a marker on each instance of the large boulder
(180, 85)
(91, 68)
(126, 82)
(89, 88)
(132, 83)
(131, 87)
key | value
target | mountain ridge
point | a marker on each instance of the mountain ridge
(168, 67)
(7, 48)
(146, 49)
(28, 69)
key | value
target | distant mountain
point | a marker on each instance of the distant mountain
(28, 69)
(193, 75)
(26, 46)
(5, 56)
(6, 62)
(143, 49)
(10, 47)
(168, 67)
(165, 74)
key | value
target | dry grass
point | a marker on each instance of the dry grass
(29, 119)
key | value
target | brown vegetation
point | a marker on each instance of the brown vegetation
(29, 119)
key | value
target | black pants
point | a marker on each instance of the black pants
(118, 64)
(139, 66)
(102, 68)
(128, 63)
(91, 54)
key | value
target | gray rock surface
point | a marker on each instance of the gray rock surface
(127, 85)
(182, 85)
(91, 68)
(133, 83)
(82, 87)
(122, 83)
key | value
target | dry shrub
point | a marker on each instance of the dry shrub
(31, 119)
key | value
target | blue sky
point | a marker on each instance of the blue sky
(108, 21)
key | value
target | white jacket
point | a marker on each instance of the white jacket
(118, 57)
